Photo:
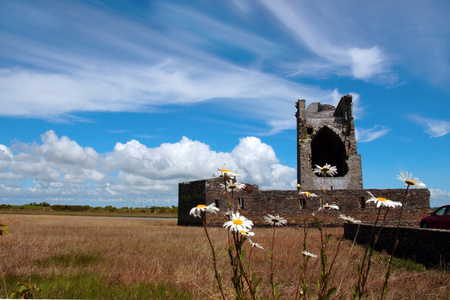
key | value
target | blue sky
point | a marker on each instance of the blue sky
(110, 102)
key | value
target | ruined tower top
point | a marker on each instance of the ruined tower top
(326, 134)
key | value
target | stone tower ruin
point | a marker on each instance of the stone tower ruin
(326, 134)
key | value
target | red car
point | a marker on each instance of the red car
(438, 219)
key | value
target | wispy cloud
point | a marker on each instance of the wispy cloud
(370, 134)
(434, 128)
(310, 25)
(87, 58)
(116, 71)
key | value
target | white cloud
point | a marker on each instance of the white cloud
(439, 197)
(434, 128)
(366, 63)
(322, 32)
(370, 134)
(54, 80)
(60, 168)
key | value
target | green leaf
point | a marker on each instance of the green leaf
(275, 288)
(330, 293)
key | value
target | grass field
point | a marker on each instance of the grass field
(118, 258)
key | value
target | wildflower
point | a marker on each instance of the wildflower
(308, 194)
(299, 187)
(415, 182)
(383, 201)
(255, 244)
(197, 211)
(349, 219)
(246, 233)
(329, 206)
(238, 223)
(306, 253)
(225, 172)
(237, 186)
(327, 169)
(275, 221)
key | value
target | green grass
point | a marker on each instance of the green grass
(91, 286)
(402, 265)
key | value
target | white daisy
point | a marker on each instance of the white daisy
(327, 169)
(275, 220)
(308, 194)
(383, 201)
(306, 253)
(226, 172)
(255, 244)
(246, 233)
(349, 219)
(329, 206)
(415, 182)
(197, 211)
(236, 186)
(238, 223)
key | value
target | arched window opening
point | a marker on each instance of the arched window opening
(327, 147)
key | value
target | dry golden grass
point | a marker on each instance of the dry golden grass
(128, 251)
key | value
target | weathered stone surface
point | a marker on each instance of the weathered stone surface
(256, 203)
(326, 134)
(427, 246)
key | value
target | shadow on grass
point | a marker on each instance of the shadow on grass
(69, 260)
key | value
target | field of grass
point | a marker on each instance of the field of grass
(85, 210)
(116, 258)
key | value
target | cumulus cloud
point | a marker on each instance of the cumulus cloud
(434, 128)
(59, 168)
(370, 134)
(439, 197)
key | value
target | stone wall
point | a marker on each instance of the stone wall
(430, 247)
(190, 194)
(255, 204)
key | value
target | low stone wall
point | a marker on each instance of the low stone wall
(254, 204)
(430, 247)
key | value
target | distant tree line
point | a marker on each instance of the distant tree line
(109, 208)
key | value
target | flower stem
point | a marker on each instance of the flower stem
(217, 275)
(388, 273)
(271, 265)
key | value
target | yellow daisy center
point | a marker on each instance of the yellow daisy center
(201, 205)
(238, 222)
(243, 232)
(225, 171)
(307, 193)
(409, 182)
(325, 169)
(381, 199)
(275, 220)
(232, 187)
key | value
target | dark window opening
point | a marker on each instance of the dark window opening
(302, 203)
(327, 148)
(362, 202)
(241, 203)
(309, 130)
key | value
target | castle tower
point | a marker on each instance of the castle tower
(326, 134)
